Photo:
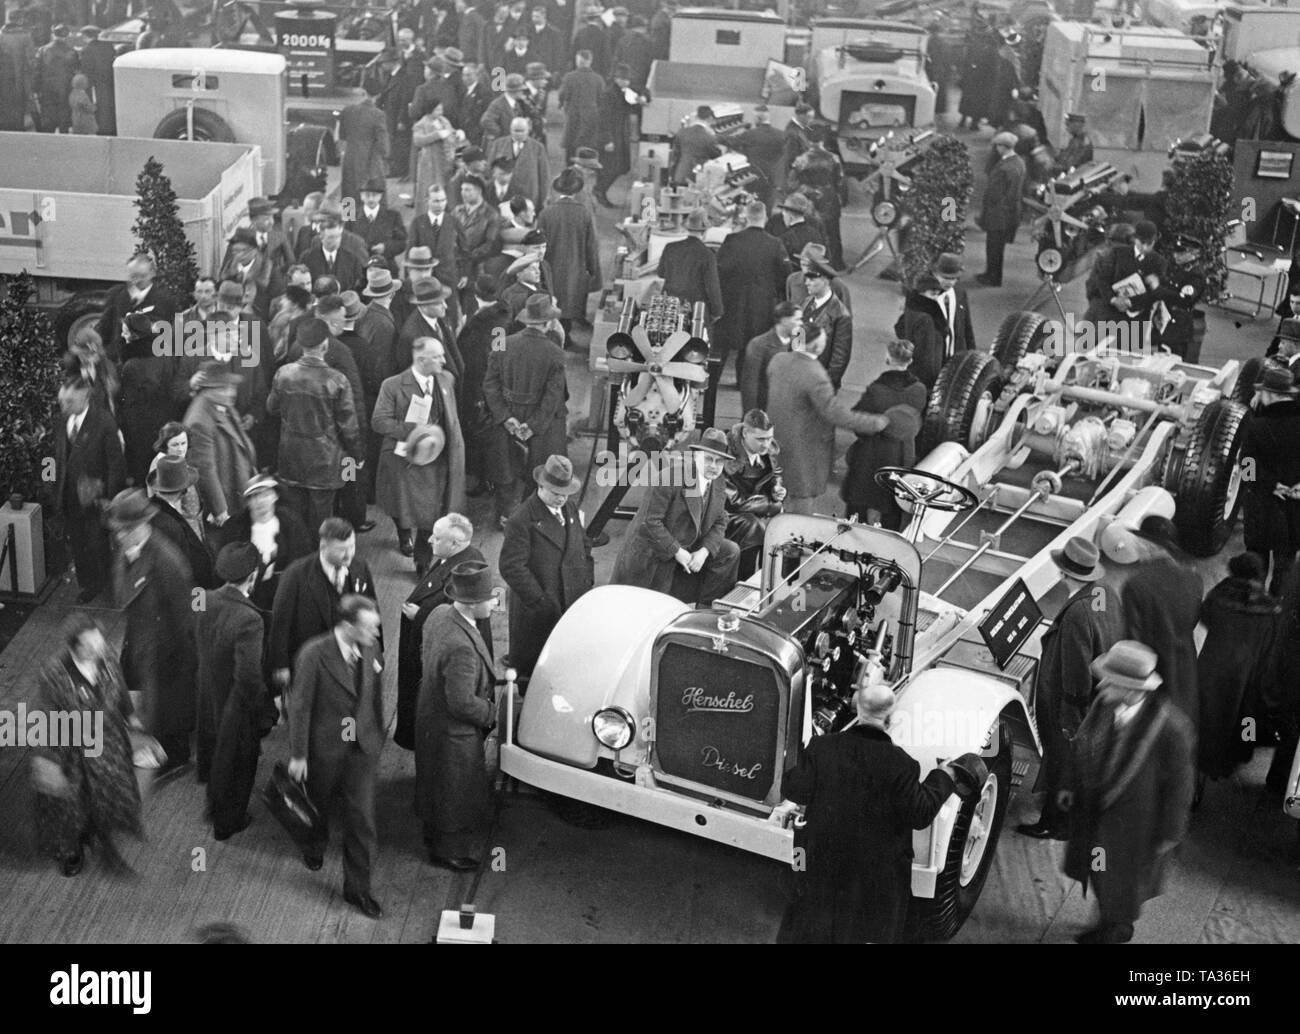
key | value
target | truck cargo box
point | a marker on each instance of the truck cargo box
(743, 39)
(67, 203)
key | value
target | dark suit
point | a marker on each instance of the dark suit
(416, 326)
(386, 229)
(749, 499)
(307, 604)
(1271, 445)
(330, 696)
(1114, 264)
(453, 717)
(170, 523)
(753, 377)
(863, 797)
(429, 592)
(690, 272)
(673, 516)
(693, 145)
(834, 318)
(1000, 212)
(764, 146)
(752, 268)
(87, 472)
(159, 305)
(547, 566)
(348, 267)
(232, 702)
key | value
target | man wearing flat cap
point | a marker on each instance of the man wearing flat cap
(677, 541)
(526, 391)
(1091, 621)
(1270, 458)
(153, 585)
(233, 703)
(1000, 210)
(1133, 788)
(862, 796)
(545, 560)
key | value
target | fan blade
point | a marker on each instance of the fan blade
(674, 343)
(669, 393)
(642, 341)
(626, 366)
(686, 372)
(637, 393)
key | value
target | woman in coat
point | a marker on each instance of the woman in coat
(1236, 665)
(276, 530)
(894, 447)
(173, 442)
(434, 140)
(84, 794)
(805, 412)
(924, 324)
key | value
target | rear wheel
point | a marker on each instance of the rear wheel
(961, 402)
(970, 853)
(1244, 390)
(209, 127)
(1020, 334)
(1207, 490)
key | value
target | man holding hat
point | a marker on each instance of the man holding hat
(579, 99)
(677, 541)
(1000, 210)
(694, 144)
(545, 560)
(1133, 788)
(529, 155)
(569, 234)
(1091, 621)
(153, 585)
(173, 478)
(233, 705)
(378, 225)
(1078, 148)
(422, 459)
(456, 712)
(689, 268)
(862, 797)
(318, 426)
(526, 391)
(1270, 463)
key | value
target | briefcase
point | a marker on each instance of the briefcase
(287, 800)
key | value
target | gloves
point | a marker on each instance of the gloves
(969, 773)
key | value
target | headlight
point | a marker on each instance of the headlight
(614, 727)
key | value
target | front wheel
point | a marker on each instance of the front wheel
(970, 853)
(1207, 489)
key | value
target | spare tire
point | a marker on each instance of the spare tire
(966, 379)
(209, 127)
(1020, 334)
(1251, 370)
(1207, 488)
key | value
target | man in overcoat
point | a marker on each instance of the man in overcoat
(579, 98)
(1133, 786)
(1000, 209)
(141, 293)
(532, 170)
(572, 247)
(456, 711)
(754, 488)
(378, 225)
(752, 267)
(1116, 264)
(1270, 453)
(154, 588)
(413, 489)
(336, 687)
(677, 541)
(545, 560)
(690, 269)
(613, 137)
(220, 449)
(232, 698)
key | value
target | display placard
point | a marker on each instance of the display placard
(306, 39)
(1011, 621)
(717, 720)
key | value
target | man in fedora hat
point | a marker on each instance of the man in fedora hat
(259, 280)
(545, 560)
(1285, 347)
(320, 441)
(1091, 621)
(89, 469)
(378, 225)
(1270, 463)
(456, 711)
(531, 166)
(153, 585)
(694, 144)
(272, 241)
(432, 303)
(689, 268)
(233, 705)
(579, 99)
(677, 541)
(526, 391)
(450, 546)
(337, 686)
(792, 224)
(1133, 785)
(752, 270)
(377, 324)
(173, 478)
(504, 109)
(220, 450)
(1000, 209)
(855, 889)
(414, 489)
(569, 233)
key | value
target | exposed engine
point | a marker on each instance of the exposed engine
(1070, 222)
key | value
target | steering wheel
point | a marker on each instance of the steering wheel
(922, 489)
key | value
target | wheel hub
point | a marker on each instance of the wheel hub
(1234, 489)
(981, 826)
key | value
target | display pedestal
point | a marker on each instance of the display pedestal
(22, 550)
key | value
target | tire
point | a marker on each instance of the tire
(209, 127)
(955, 398)
(940, 917)
(1244, 390)
(77, 312)
(1020, 334)
(1207, 492)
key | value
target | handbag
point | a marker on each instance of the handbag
(287, 800)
